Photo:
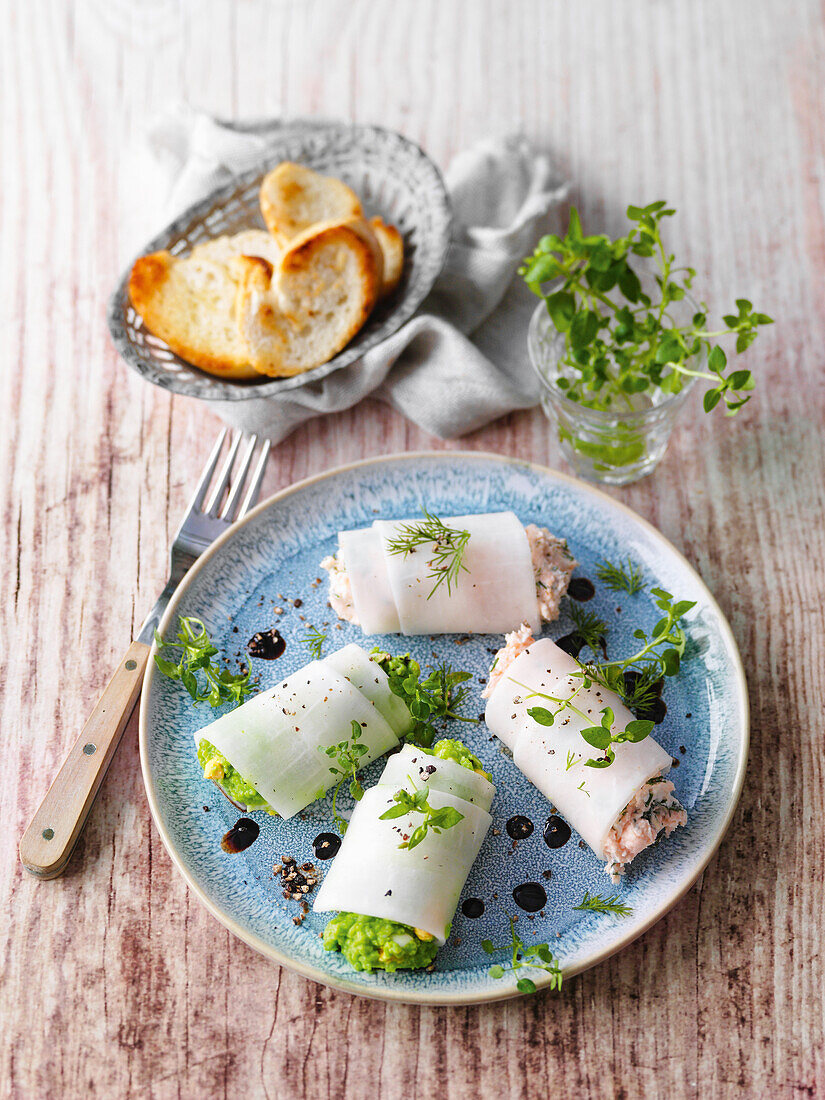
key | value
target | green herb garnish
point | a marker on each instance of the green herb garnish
(314, 641)
(197, 650)
(621, 577)
(594, 903)
(448, 548)
(660, 654)
(437, 695)
(602, 737)
(347, 756)
(572, 757)
(538, 955)
(618, 340)
(589, 627)
(445, 817)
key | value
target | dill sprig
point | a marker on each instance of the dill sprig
(589, 627)
(621, 577)
(449, 546)
(595, 903)
(314, 641)
(641, 689)
(347, 756)
(537, 955)
(197, 651)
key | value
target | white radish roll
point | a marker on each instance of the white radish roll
(355, 665)
(590, 799)
(394, 592)
(419, 886)
(362, 556)
(441, 775)
(276, 740)
(495, 592)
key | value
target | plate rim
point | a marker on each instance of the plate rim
(446, 997)
(226, 390)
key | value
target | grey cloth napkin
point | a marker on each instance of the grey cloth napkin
(430, 370)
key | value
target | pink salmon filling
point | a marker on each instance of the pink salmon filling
(652, 811)
(514, 644)
(553, 565)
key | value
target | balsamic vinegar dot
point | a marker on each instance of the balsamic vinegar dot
(530, 896)
(519, 827)
(326, 845)
(243, 833)
(556, 832)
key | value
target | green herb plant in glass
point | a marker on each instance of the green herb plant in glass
(618, 343)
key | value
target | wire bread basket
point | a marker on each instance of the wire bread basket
(392, 176)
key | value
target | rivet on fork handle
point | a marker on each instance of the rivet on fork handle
(53, 832)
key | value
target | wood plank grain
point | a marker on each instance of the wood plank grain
(115, 981)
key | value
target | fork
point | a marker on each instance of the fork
(52, 833)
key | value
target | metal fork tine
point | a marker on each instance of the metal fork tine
(254, 490)
(230, 508)
(203, 485)
(211, 508)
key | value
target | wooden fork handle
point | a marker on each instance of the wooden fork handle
(54, 830)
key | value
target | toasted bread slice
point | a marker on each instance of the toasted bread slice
(190, 301)
(293, 198)
(301, 314)
(392, 249)
(250, 242)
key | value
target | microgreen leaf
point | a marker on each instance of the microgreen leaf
(438, 695)
(347, 756)
(537, 956)
(217, 686)
(417, 802)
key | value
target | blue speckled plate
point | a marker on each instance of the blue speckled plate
(272, 558)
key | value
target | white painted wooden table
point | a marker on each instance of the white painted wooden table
(115, 982)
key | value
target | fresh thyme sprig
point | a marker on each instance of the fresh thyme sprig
(449, 546)
(347, 756)
(621, 577)
(595, 903)
(435, 696)
(407, 803)
(197, 651)
(314, 641)
(537, 955)
(618, 341)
